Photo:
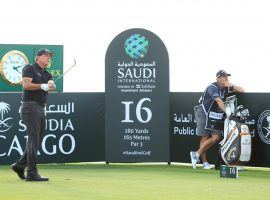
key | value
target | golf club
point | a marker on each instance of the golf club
(66, 71)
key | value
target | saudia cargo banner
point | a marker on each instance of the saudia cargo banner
(137, 98)
(183, 127)
(74, 128)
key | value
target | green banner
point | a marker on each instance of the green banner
(13, 57)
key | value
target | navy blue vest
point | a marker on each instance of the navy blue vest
(214, 115)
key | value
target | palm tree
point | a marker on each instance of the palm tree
(4, 108)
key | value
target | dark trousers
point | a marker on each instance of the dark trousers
(33, 116)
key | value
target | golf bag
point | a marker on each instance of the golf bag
(236, 144)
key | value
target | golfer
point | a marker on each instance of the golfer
(37, 82)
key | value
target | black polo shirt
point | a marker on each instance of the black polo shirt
(39, 76)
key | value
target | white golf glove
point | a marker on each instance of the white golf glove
(45, 87)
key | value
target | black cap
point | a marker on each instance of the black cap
(44, 51)
(222, 73)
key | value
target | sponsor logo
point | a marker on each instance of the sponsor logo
(5, 124)
(136, 46)
(263, 126)
(231, 154)
(60, 132)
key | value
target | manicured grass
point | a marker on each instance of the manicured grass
(134, 181)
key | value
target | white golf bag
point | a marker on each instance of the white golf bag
(236, 144)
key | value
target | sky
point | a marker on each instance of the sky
(201, 36)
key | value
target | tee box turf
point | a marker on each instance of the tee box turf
(228, 172)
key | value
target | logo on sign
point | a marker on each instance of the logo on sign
(5, 124)
(136, 46)
(264, 126)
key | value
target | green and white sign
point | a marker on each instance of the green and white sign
(228, 172)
